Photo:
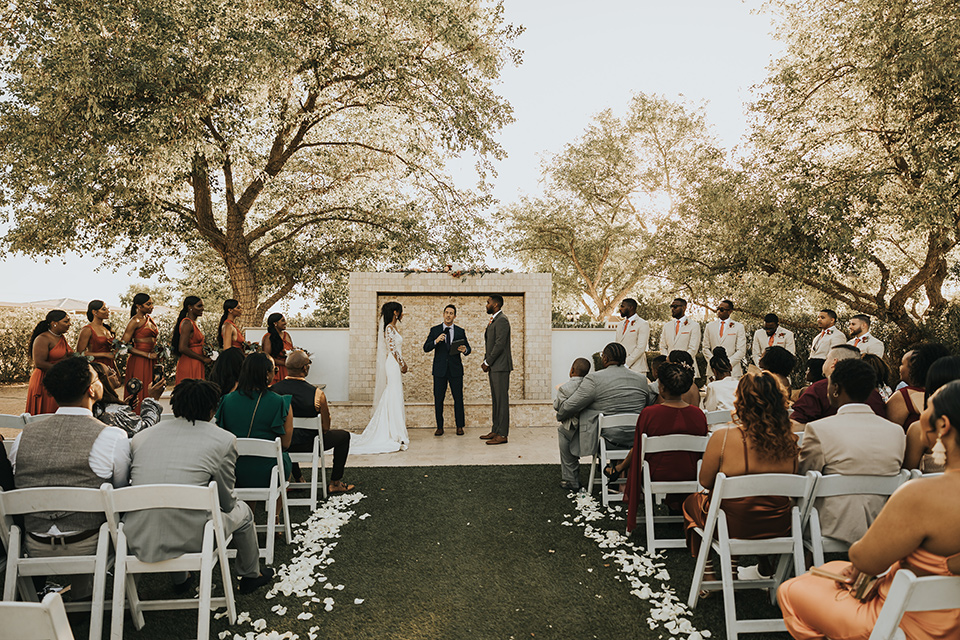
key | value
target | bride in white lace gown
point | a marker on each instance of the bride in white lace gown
(387, 430)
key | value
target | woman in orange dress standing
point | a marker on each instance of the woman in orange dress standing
(96, 339)
(142, 331)
(47, 346)
(230, 336)
(277, 344)
(188, 342)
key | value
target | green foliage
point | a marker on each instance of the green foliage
(16, 327)
(160, 294)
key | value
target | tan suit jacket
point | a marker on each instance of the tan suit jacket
(634, 334)
(682, 337)
(781, 338)
(855, 441)
(734, 340)
(867, 343)
(826, 340)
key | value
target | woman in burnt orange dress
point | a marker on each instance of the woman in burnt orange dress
(188, 342)
(229, 334)
(142, 331)
(48, 346)
(277, 344)
(96, 339)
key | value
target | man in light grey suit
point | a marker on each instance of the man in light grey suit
(855, 441)
(191, 450)
(498, 363)
(611, 390)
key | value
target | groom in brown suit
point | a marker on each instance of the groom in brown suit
(498, 363)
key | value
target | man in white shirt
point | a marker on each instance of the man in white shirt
(726, 333)
(829, 336)
(634, 334)
(771, 335)
(681, 333)
(861, 338)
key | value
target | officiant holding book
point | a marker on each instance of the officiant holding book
(448, 343)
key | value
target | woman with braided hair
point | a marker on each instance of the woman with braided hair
(48, 346)
(277, 343)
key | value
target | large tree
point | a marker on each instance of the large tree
(852, 184)
(291, 138)
(604, 197)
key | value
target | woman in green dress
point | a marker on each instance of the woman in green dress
(253, 411)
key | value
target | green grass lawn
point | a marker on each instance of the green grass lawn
(462, 552)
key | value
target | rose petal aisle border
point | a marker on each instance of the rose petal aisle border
(639, 568)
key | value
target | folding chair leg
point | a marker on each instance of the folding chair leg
(313, 475)
(729, 603)
(593, 472)
(648, 515)
(13, 557)
(271, 524)
(698, 573)
(227, 583)
(285, 508)
(99, 588)
(323, 474)
(120, 578)
(206, 583)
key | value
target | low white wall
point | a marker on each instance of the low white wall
(330, 349)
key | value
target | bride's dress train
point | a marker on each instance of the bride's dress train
(387, 430)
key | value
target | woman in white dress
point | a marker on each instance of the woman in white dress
(387, 430)
(720, 392)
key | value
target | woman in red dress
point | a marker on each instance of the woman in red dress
(142, 331)
(96, 339)
(277, 344)
(188, 342)
(229, 334)
(48, 346)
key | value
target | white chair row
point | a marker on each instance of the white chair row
(316, 460)
(46, 620)
(274, 493)
(113, 503)
(606, 452)
(10, 421)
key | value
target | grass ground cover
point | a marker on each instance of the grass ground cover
(461, 552)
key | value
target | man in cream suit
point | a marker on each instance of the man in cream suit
(726, 333)
(829, 336)
(634, 334)
(861, 338)
(771, 335)
(855, 441)
(681, 333)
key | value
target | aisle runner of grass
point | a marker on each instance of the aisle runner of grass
(463, 552)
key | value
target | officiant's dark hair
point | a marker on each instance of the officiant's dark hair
(450, 306)
(388, 310)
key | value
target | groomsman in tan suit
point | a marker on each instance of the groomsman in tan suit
(681, 333)
(634, 334)
(829, 336)
(726, 333)
(861, 338)
(772, 335)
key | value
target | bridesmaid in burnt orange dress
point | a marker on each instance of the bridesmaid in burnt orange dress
(142, 331)
(96, 339)
(188, 342)
(230, 336)
(277, 343)
(48, 346)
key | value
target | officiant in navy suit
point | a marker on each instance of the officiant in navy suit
(448, 343)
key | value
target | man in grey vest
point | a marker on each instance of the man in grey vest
(69, 449)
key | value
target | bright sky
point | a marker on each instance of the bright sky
(579, 59)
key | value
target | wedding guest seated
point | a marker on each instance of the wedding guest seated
(226, 370)
(570, 464)
(905, 405)
(815, 370)
(760, 442)
(253, 411)
(309, 401)
(814, 402)
(720, 392)
(780, 363)
(111, 410)
(671, 416)
(652, 375)
(855, 441)
(882, 372)
(611, 390)
(691, 395)
(916, 530)
(69, 449)
(918, 455)
(191, 450)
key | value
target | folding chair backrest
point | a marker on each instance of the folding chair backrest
(617, 420)
(910, 593)
(832, 485)
(718, 417)
(27, 418)
(164, 496)
(45, 620)
(8, 421)
(36, 499)
(7, 446)
(672, 442)
(762, 484)
(259, 448)
(311, 424)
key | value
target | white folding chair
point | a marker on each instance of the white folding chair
(213, 551)
(606, 452)
(831, 486)
(27, 418)
(799, 435)
(916, 473)
(910, 593)
(720, 416)
(7, 446)
(793, 486)
(255, 447)
(46, 620)
(21, 568)
(8, 421)
(317, 461)
(651, 488)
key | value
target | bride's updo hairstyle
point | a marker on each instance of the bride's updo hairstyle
(389, 310)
